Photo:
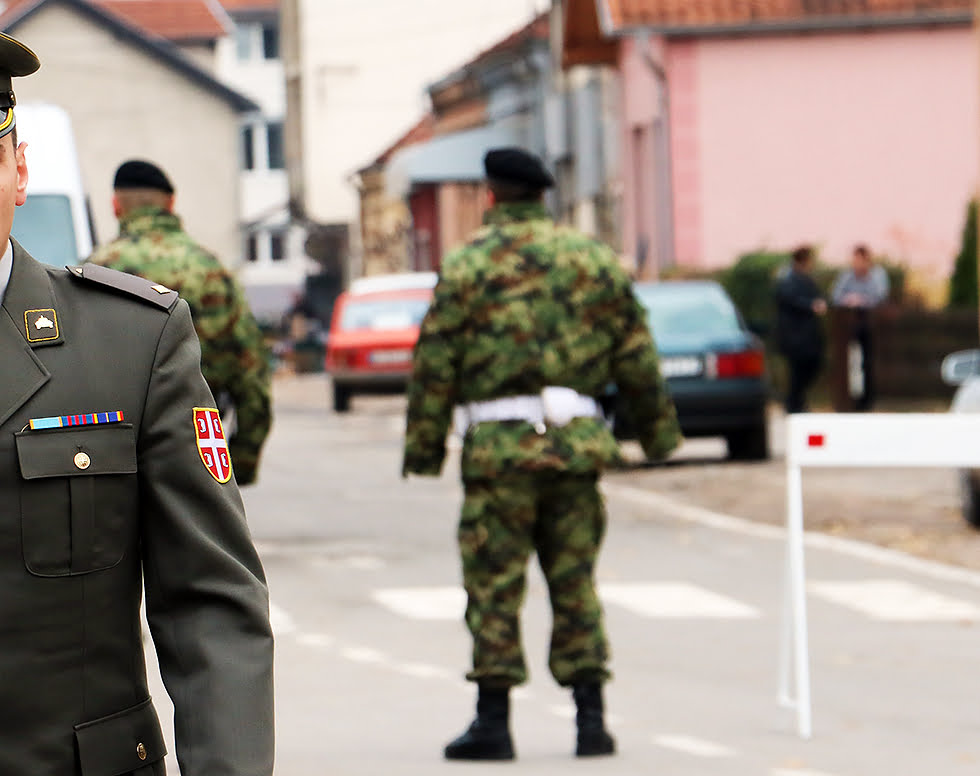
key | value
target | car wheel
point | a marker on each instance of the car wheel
(751, 444)
(341, 399)
(971, 499)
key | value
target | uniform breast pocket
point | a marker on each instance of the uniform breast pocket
(78, 498)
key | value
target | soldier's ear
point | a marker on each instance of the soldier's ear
(20, 157)
(170, 203)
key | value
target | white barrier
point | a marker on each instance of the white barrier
(882, 439)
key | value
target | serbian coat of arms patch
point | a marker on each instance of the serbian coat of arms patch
(211, 443)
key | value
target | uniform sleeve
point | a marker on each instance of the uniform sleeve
(636, 371)
(795, 294)
(206, 598)
(236, 365)
(840, 287)
(432, 389)
(880, 285)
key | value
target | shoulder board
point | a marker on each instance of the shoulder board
(134, 285)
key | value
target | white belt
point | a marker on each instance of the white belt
(555, 406)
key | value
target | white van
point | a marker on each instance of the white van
(54, 224)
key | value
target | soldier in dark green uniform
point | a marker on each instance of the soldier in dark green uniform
(234, 358)
(115, 477)
(530, 323)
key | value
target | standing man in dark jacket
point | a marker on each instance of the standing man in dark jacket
(529, 324)
(115, 477)
(799, 307)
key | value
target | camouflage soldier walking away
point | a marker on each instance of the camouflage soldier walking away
(529, 323)
(234, 358)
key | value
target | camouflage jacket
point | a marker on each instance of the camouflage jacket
(524, 305)
(234, 358)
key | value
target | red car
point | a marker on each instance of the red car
(374, 328)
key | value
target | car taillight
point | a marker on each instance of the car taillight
(341, 359)
(748, 363)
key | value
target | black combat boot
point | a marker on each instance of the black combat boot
(593, 738)
(488, 737)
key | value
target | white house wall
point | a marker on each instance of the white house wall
(366, 66)
(124, 104)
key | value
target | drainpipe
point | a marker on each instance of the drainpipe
(664, 169)
(664, 160)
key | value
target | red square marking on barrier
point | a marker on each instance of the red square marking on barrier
(815, 440)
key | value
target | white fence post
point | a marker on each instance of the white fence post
(830, 440)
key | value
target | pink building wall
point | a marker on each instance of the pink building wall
(830, 139)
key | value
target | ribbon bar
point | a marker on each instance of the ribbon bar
(65, 421)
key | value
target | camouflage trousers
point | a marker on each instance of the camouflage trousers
(560, 517)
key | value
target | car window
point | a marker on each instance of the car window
(675, 309)
(44, 226)
(376, 314)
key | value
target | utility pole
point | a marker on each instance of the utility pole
(292, 60)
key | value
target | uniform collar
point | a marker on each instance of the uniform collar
(512, 212)
(148, 219)
(30, 297)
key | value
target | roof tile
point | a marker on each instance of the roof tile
(175, 20)
(719, 13)
(250, 5)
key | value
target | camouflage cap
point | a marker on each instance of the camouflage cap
(15, 60)
(515, 165)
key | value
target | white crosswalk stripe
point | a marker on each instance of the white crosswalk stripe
(280, 620)
(654, 599)
(676, 600)
(696, 747)
(424, 603)
(892, 600)
(886, 600)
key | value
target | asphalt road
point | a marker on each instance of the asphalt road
(371, 650)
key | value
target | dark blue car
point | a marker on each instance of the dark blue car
(714, 366)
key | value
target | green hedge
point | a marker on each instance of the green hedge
(963, 283)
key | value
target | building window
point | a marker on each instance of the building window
(275, 142)
(248, 148)
(270, 41)
(277, 245)
(252, 248)
(243, 42)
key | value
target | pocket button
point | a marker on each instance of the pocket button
(82, 461)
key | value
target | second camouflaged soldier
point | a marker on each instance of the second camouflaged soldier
(234, 358)
(531, 322)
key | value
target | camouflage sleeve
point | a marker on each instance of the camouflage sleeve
(432, 386)
(636, 370)
(235, 362)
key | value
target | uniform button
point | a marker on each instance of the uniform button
(82, 461)
(141, 751)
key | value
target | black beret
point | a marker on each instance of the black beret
(515, 165)
(15, 60)
(137, 174)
